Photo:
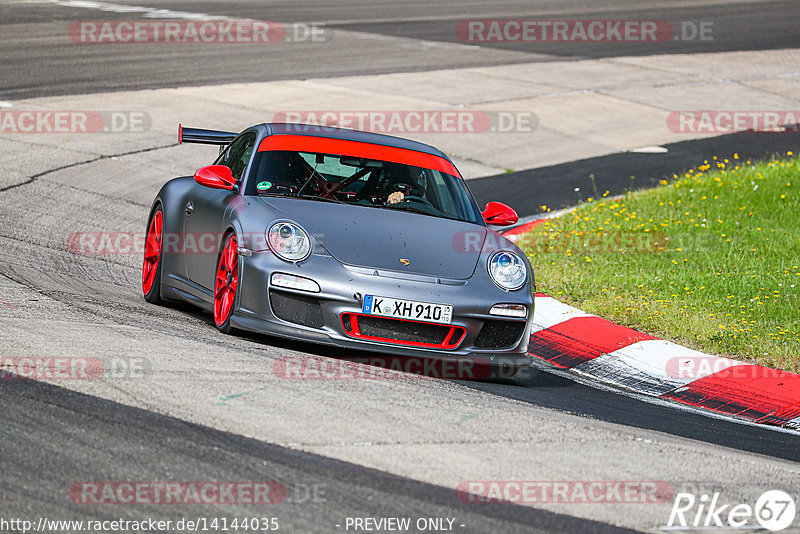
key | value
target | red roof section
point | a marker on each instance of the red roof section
(357, 149)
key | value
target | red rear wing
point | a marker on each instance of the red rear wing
(342, 147)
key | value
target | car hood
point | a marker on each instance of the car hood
(380, 238)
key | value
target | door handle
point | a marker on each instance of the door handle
(189, 207)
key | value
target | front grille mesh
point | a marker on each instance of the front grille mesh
(403, 330)
(499, 334)
(297, 309)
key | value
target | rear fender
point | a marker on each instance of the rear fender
(171, 197)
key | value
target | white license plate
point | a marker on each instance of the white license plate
(407, 309)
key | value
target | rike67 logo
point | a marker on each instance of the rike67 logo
(774, 510)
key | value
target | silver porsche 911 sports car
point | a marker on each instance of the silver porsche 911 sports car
(341, 237)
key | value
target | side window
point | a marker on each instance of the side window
(238, 155)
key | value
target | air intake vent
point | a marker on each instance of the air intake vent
(499, 334)
(298, 309)
(402, 332)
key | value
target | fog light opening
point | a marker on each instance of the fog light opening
(509, 310)
(291, 281)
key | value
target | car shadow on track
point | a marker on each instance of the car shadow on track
(336, 362)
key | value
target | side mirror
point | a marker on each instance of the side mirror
(215, 177)
(498, 214)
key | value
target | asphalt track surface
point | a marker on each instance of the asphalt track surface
(38, 59)
(127, 443)
(53, 436)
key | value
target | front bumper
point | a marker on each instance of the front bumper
(340, 299)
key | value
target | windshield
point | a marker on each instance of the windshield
(366, 182)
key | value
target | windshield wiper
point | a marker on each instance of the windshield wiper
(410, 208)
(440, 215)
(304, 197)
(316, 197)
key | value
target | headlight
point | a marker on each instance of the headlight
(507, 270)
(288, 241)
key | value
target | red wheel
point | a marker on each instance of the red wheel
(151, 268)
(226, 282)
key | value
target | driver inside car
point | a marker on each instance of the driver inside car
(399, 182)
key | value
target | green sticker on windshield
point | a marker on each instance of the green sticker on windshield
(263, 186)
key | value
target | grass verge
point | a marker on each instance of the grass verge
(710, 259)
